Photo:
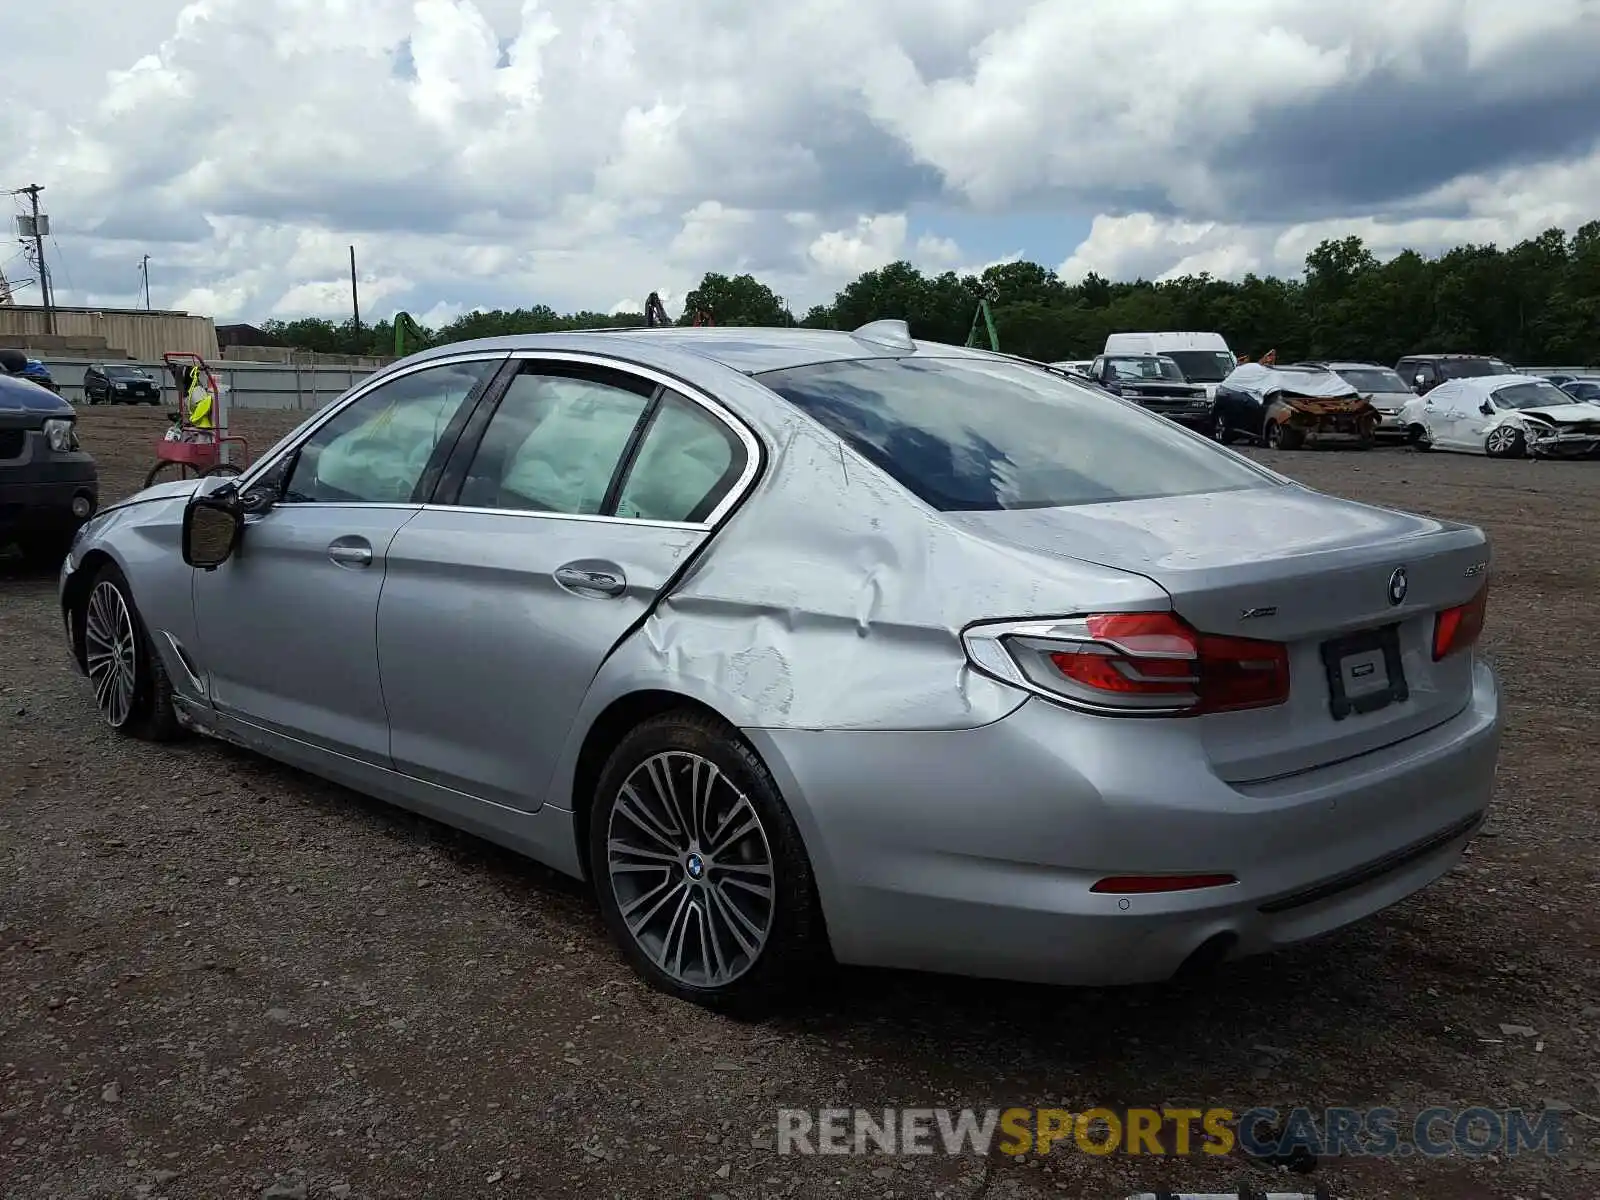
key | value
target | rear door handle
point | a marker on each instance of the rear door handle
(588, 582)
(351, 552)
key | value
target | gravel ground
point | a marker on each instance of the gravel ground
(225, 978)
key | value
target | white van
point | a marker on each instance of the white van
(1202, 357)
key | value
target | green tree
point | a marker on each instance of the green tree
(742, 300)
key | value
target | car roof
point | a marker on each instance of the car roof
(750, 351)
(1347, 365)
(1444, 357)
(1485, 384)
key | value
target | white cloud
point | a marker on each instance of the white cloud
(504, 152)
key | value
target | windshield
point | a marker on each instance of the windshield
(1202, 366)
(1583, 389)
(1470, 368)
(1534, 394)
(1145, 366)
(126, 373)
(1373, 379)
(968, 435)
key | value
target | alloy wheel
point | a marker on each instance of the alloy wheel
(691, 868)
(1501, 438)
(111, 653)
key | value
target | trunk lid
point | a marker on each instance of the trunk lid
(1287, 564)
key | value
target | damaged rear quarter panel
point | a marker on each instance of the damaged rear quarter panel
(834, 600)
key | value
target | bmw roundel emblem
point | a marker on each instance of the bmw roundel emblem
(696, 866)
(1398, 585)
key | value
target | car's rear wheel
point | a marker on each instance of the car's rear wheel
(1505, 441)
(131, 688)
(700, 870)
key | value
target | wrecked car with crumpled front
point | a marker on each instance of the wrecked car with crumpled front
(1288, 407)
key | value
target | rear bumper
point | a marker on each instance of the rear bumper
(974, 852)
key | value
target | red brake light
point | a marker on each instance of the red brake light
(1457, 629)
(1144, 885)
(1157, 662)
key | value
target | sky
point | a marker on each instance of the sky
(581, 153)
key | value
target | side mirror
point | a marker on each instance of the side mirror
(211, 529)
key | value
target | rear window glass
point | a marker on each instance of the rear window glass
(1470, 368)
(970, 435)
(1373, 379)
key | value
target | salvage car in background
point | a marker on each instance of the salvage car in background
(1424, 372)
(120, 383)
(1382, 386)
(1582, 387)
(1155, 382)
(48, 482)
(1285, 408)
(1504, 416)
(795, 641)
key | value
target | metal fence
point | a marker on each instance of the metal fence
(248, 385)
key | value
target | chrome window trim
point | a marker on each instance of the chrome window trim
(372, 383)
(752, 444)
(534, 513)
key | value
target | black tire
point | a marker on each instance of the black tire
(795, 943)
(153, 402)
(1279, 436)
(1514, 447)
(151, 716)
(167, 471)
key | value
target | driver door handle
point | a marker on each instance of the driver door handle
(351, 552)
(582, 580)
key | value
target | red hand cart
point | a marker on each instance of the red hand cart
(186, 451)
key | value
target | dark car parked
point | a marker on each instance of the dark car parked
(1156, 382)
(120, 383)
(48, 483)
(1424, 372)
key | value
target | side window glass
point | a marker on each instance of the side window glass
(686, 464)
(553, 445)
(375, 451)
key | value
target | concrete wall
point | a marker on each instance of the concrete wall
(306, 358)
(248, 385)
(145, 336)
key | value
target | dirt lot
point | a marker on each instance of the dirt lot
(223, 978)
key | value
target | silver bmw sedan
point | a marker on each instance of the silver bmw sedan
(807, 646)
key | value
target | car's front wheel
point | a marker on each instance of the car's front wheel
(700, 870)
(1505, 441)
(131, 688)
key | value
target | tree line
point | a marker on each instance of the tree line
(1535, 303)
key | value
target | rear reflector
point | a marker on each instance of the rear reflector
(1143, 885)
(1457, 629)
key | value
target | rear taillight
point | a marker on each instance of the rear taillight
(1146, 885)
(1457, 629)
(1150, 663)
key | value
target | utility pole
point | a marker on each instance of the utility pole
(36, 227)
(144, 273)
(355, 296)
